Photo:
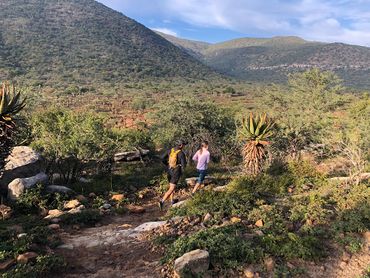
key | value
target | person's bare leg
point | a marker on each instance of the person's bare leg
(169, 192)
(195, 188)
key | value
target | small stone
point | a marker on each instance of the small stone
(346, 257)
(55, 220)
(21, 235)
(259, 233)
(132, 188)
(118, 197)
(207, 217)
(106, 206)
(77, 210)
(366, 236)
(269, 264)
(54, 213)
(54, 226)
(92, 195)
(75, 227)
(26, 257)
(235, 219)
(6, 264)
(290, 190)
(343, 265)
(81, 198)
(125, 226)
(248, 272)
(259, 223)
(306, 187)
(322, 268)
(72, 204)
(290, 265)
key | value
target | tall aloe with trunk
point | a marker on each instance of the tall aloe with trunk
(254, 133)
(10, 105)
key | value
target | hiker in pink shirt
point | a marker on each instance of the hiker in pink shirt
(202, 157)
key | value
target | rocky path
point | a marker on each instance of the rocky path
(114, 250)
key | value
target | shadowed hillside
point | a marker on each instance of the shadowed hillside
(83, 42)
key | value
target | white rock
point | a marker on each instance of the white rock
(179, 204)
(196, 261)
(17, 187)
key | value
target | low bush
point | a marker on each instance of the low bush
(43, 267)
(87, 217)
(225, 245)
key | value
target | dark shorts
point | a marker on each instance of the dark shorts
(202, 175)
(174, 175)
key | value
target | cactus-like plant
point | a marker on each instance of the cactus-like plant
(10, 105)
(254, 133)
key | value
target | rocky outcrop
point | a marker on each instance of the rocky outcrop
(19, 185)
(193, 263)
(23, 162)
(131, 155)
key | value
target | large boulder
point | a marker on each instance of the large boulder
(193, 263)
(23, 162)
(18, 186)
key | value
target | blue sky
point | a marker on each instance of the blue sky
(345, 21)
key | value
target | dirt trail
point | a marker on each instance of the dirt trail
(112, 250)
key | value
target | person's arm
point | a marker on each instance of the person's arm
(196, 156)
(182, 160)
(208, 158)
(164, 158)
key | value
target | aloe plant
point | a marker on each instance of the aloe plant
(10, 105)
(254, 132)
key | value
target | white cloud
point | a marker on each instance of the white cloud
(329, 20)
(166, 31)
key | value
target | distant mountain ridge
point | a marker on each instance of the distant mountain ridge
(271, 59)
(80, 42)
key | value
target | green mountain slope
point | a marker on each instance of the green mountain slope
(82, 42)
(270, 60)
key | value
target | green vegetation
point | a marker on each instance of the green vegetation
(194, 120)
(10, 105)
(74, 46)
(254, 133)
(270, 59)
(69, 140)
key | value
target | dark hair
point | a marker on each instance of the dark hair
(203, 145)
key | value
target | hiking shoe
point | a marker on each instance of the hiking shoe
(160, 205)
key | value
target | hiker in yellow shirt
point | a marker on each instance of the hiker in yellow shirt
(175, 161)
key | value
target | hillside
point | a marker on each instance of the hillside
(84, 43)
(270, 60)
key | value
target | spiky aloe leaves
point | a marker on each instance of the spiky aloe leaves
(255, 131)
(10, 105)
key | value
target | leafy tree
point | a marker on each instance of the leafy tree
(10, 106)
(69, 140)
(194, 120)
(303, 111)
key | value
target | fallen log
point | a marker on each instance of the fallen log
(130, 155)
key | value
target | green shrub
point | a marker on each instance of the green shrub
(87, 217)
(226, 246)
(221, 204)
(69, 139)
(44, 266)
